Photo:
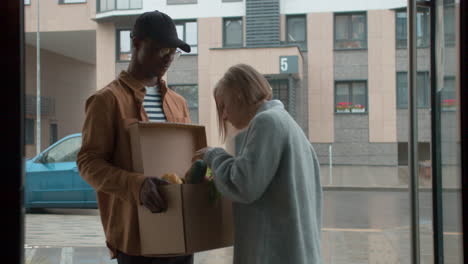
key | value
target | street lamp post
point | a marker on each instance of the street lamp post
(38, 83)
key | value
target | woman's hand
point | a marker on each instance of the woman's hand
(200, 153)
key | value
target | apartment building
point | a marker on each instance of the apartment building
(339, 67)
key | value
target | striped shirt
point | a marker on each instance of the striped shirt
(153, 105)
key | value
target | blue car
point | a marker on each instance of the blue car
(53, 181)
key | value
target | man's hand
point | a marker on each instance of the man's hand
(200, 153)
(150, 196)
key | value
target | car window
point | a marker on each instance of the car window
(65, 151)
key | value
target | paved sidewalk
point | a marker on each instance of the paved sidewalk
(76, 237)
(338, 247)
(78, 228)
(99, 255)
(73, 237)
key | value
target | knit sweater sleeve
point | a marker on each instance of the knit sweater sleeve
(245, 178)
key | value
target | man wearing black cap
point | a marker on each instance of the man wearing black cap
(104, 159)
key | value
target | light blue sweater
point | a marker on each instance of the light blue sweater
(274, 183)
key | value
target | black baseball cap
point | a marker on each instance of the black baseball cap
(159, 27)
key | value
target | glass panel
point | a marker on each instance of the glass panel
(281, 91)
(359, 27)
(419, 25)
(191, 33)
(53, 133)
(29, 131)
(123, 4)
(103, 5)
(233, 31)
(190, 93)
(73, 1)
(296, 29)
(401, 29)
(136, 3)
(359, 99)
(180, 31)
(65, 151)
(402, 89)
(110, 4)
(423, 87)
(125, 41)
(448, 94)
(350, 31)
(448, 88)
(341, 27)
(422, 30)
(343, 103)
(403, 154)
(367, 224)
(449, 25)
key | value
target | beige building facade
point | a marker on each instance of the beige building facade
(345, 84)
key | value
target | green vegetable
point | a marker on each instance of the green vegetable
(215, 195)
(196, 173)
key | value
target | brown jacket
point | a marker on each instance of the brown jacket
(104, 160)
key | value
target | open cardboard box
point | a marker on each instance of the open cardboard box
(193, 222)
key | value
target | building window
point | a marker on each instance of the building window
(53, 133)
(124, 45)
(232, 36)
(351, 97)
(448, 95)
(181, 2)
(424, 161)
(424, 152)
(27, 2)
(296, 32)
(106, 5)
(423, 89)
(109, 5)
(29, 133)
(422, 28)
(190, 93)
(449, 25)
(71, 1)
(280, 90)
(188, 32)
(350, 31)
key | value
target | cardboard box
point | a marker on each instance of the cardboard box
(192, 222)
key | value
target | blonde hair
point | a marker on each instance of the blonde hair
(245, 86)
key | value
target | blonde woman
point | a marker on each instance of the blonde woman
(273, 181)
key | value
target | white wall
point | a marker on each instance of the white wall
(216, 8)
(309, 6)
(204, 8)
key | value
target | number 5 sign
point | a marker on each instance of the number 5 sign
(289, 64)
